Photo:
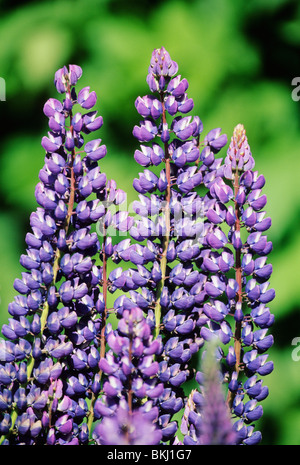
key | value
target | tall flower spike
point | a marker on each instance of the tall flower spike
(238, 203)
(49, 360)
(169, 227)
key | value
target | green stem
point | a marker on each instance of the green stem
(163, 267)
(238, 278)
(166, 238)
(103, 326)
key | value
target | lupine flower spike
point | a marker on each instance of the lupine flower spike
(238, 203)
(195, 270)
(49, 360)
(171, 227)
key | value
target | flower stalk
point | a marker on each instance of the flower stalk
(166, 219)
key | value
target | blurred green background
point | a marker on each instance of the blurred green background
(239, 58)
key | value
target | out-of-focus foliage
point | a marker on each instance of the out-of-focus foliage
(239, 57)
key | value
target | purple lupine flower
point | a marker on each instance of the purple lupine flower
(190, 421)
(131, 384)
(169, 210)
(237, 201)
(188, 281)
(50, 361)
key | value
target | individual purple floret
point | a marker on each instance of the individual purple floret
(55, 336)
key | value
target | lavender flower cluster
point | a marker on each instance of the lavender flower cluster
(192, 272)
